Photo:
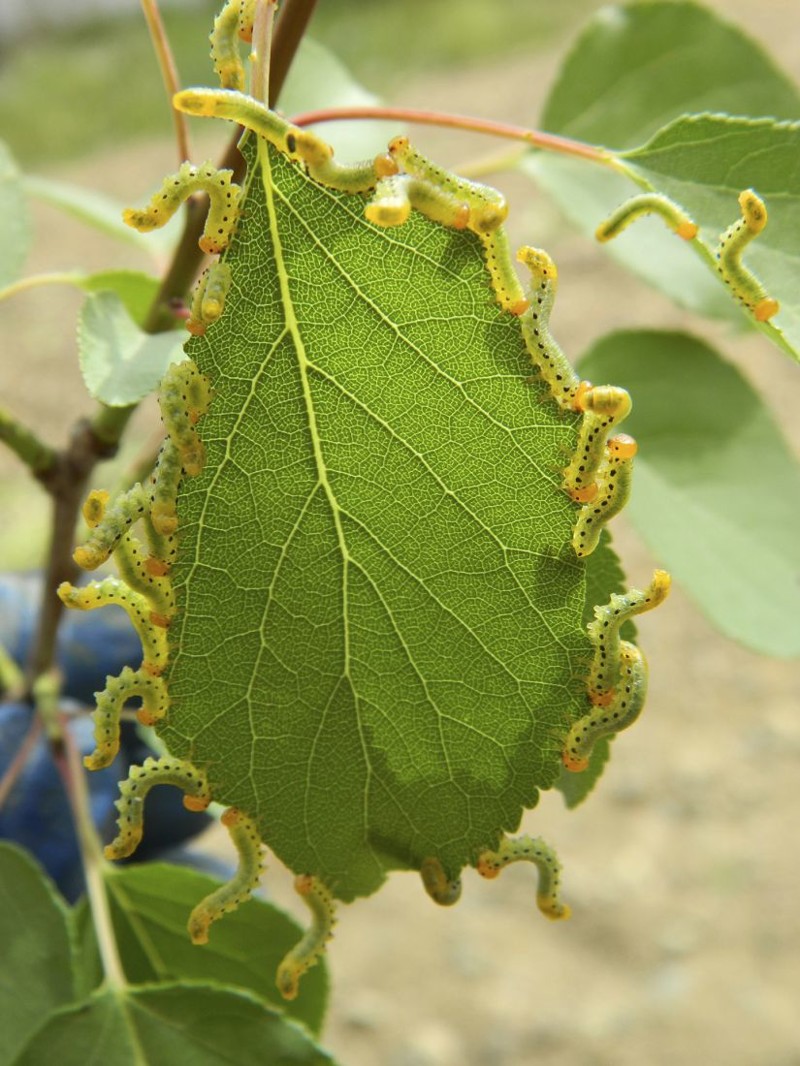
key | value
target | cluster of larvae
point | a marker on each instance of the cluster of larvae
(597, 478)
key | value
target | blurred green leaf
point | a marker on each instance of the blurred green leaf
(633, 70)
(716, 490)
(171, 1025)
(120, 363)
(151, 905)
(36, 972)
(100, 212)
(136, 290)
(16, 221)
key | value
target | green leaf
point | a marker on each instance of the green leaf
(201, 1025)
(36, 974)
(150, 904)
(381, 665)
(136, 290)
(704, 162)
(633, 70)
(637, 67)
(16, 220)
(99, 211)
(120, 363)
(87, 964)
(716, 491)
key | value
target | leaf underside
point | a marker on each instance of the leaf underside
(379, 644)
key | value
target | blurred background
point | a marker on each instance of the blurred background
(683, 869)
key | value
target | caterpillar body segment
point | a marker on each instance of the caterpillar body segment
(164, 486)
(563, 383)
(225, 53)
(604, 629)
(442, 889)
(607, 720)
(322, 167)
(604, 407)
(184, 398)
(534, 850)
(743, 283)
(208, 301)
(613, 491)
(395, 196)
(223, 211)
(488, 208)
(113, 592)
(650, 203)
(128, 685)
(236, 107)
(109, 522)
(504, 279)
(246, 19)
(309, 951)
(247, 841)
(133, 792)
(136, 569)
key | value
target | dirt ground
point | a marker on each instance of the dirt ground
(682, 871)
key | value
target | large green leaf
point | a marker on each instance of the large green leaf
(36, 971)
(635, 69)
(171, 1025)
(150, 903)
(380, 639)
(717, 491)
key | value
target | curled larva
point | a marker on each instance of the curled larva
(321, 165)
(113, 592)
(184, 398)
(649, 203)
(394, 197)
(442, 889)
(208, 301)
(536, 851)
(109, 522)
(604, 631)
(237, 107)
(487, 207)
(133, 792)
(222, 213)
(505, 281)
(135, 567)
(606, 720)
(613, 492)
(304, 955)
(743, 283)
(247, 841)
(554, 368)
(604, 407)
(106, 717)
(225, 47)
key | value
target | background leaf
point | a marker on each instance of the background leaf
(36, 975)
(151, 904)
(633, 70)
(716, 492)
(178, 1025)
(16, 221)
(120, 363)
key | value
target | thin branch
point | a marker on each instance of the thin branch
(291, 26)
(37, 456)
(93, 864)
(169, 73)
(535, 138)
(261, 53)
(9, 778)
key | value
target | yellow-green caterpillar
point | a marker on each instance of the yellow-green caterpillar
(225, 46)
(607, 720)
(604, 634)
(554, 368)
(222, 214)
(442, 889)
(208, 301)
(536, 851)
(743, 283)
(128, 685)
(244, 834)
(184, 397)
(604, 407)
(613, 492)
(304, 955)
(133, 791)
(649, 203)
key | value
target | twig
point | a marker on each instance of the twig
(37, 456)
(169, 73)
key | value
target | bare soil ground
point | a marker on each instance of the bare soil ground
(682, 870)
